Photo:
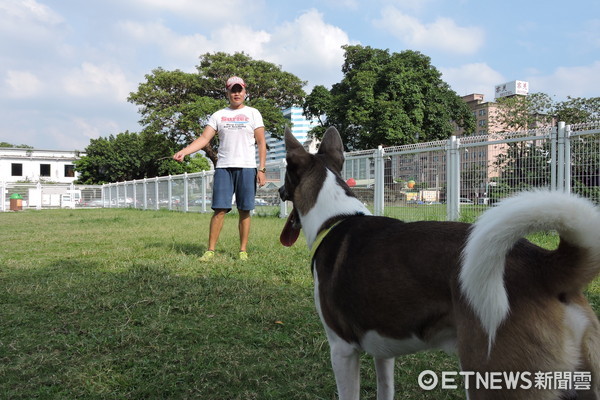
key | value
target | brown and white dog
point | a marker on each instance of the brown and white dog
(390, 288)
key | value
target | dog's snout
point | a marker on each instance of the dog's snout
(283, 193)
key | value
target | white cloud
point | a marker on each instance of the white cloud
(21, 84)
(442, 34)
(93, 128)
(309, 48)
(306, 46)
(473, 78)
(171, 44)
(29, 10)
(183, 50)
(236, 38)
(28, 21)
(579, 81)
(97, 81)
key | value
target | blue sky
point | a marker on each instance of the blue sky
(67, 66)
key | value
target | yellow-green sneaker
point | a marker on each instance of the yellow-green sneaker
(208, 255)
(243, 255)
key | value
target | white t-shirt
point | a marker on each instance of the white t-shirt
(236, 136)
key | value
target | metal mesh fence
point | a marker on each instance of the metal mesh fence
(443, 180)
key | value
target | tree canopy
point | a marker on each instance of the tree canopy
(16, 146)
(129, 156)
(177, 104)
(388, 99)
(576, 110)
(517, 113)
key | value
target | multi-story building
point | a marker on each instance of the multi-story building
(484, 113)
(32, 165)
(429, 168)
(300, 126)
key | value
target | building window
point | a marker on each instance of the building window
(69, 171)
(45, 170)
(16, 169)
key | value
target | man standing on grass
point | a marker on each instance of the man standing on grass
(240, 129)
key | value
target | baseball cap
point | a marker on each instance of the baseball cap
(235, 80)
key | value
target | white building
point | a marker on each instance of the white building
(299, 127)
(31, 165)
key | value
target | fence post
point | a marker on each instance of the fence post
(283, 212)
(156, 202)
(185, 192)
(452, 179)
(117, 194)
(3, 192)
(109, 195)
(553, 157)
(379, 186)
(567, 156)
(145, 190)
(203, 191)
(170, 192)
(134, 194)
(40, 195)
(560, 159)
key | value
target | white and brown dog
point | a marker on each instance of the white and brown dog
(390, 288)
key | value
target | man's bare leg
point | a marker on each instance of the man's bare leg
(244, 227)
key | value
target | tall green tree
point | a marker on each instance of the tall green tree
(129, 156)
(316, 106)
(177, 104)
(577, 110)
(519, 113)
(389, 99)
(16, 146)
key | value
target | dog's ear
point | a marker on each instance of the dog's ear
(333, 148)
(291, 143)
(296, 154)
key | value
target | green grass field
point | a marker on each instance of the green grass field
(114, 304)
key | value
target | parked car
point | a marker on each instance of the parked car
(464, 200)
(198, 202)
(95, 203)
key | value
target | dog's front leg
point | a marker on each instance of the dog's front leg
(345, 360)
(385, 378)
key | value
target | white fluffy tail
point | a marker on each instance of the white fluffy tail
(482, 274)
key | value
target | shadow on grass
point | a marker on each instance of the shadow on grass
(190, 249)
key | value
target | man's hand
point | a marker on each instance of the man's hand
(179, 156)
(261, 178)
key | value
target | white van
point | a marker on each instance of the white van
(71, 199)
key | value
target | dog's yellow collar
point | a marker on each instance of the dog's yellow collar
(320, 236)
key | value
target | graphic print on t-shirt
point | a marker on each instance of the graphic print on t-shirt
(235, 122)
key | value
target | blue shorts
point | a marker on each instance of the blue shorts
(230, 181)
